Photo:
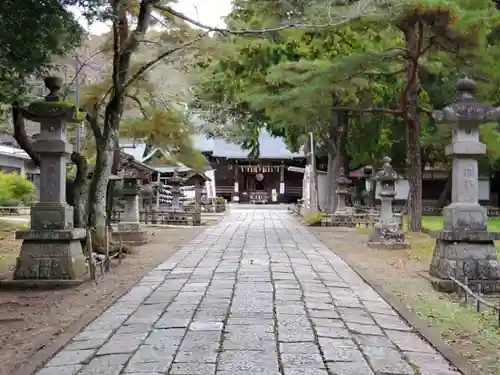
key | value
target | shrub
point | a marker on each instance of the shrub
(313, 218)
(15, 189)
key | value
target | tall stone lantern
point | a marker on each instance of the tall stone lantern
(51, 248)
(342, 191)
(465, 248)
(386, 233)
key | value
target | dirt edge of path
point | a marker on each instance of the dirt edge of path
(40, 323)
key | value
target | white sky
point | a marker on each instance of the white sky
(208, 12)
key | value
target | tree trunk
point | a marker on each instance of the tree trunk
(99, 186)
(413, 43)
(331, 185)
(414, 177)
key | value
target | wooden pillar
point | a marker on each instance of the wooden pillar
(236, 184)
(281, 187)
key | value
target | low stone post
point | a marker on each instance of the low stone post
(129, 228)
(386, 233)
(465, 248)
(51, 248)
(342, 192)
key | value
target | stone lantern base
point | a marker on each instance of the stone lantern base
(51, 255)
(131, 234)
(387, 237)
(463, 253)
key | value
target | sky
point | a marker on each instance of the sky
(208, 12)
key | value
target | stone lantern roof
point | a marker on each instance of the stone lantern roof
(387, 173)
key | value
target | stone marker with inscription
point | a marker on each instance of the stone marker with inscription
(386, 233)
(51, 248)
(465, 248)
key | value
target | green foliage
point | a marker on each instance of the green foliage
(15, 189)
(33, 32)
(313, 218)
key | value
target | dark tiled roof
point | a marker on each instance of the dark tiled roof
(270, 147)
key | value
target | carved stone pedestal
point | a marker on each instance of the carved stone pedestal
(51, 255)
(465, 248)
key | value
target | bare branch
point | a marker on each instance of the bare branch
(146, 67)
(338, 21)
(392, 112)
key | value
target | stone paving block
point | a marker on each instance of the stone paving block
(193, 369)
(305, 371)
(326, 322)
(145, 314)
(172, 321)
(364, 329)
(248, 338)
(126, 343)
(343, 350)
(392, 322)
(290, 309)
(409, 341)
(379, 308)
(105, 365)
(430, 363)
(71, 357)
(300, 360)
(333, 332)
(134, 328)
(146, 368)
(167, 340)
(151, 354)
(200, 325)
(299, 348)
(330, 314)
(200, 341)
(85, 344)
(387, 360)
(198, 356)
(60, 370)
(350, 368)
(373, 340)
(93, 335)
(244, 361)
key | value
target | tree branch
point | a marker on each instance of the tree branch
(144, 69)
(392, 112)
(340, 20)
(92, 117)
(20, 135)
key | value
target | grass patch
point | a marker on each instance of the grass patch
(9, 246)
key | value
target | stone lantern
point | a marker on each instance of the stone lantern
(176, 182)
(51, 248)
(386, 233)
(130, 230)
(465, 248)
(342, 191)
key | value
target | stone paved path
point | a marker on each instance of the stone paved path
(256, 295)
